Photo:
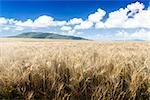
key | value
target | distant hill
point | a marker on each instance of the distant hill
(42, 35)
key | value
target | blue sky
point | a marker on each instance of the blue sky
(60, 10)
(99, 19)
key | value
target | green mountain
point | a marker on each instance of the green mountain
(42, 35)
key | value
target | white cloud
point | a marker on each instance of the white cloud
(75, 21)
(99, 25)
(58, 23)
(43, 21)
(28, 23)
(84, 25)
(72, 32)
(141, 19)
(12, 21)
(117, 18)
(97, 16)
(66, 28)
(131, 17)
(135, 6)
(92, 18)
(3, 21)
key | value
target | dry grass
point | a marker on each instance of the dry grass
(74, 70)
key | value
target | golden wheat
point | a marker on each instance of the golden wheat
(74, 70)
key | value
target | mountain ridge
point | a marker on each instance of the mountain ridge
(43, 35)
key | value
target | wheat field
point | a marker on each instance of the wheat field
(74, 70)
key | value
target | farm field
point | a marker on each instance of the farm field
(74, 70)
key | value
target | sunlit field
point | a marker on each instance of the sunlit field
(74, 70)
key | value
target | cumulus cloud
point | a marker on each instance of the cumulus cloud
(84, 25)
(135, 6)
(27, 23)
(75, 21)
(141, 19)
(72, 32)
(97, 16)
(3, 21)
(58, 23)
(117, 18)
(66, 28)
(99, 25)
(42, 21)
(12, 21)
(92, 18)
(131, 17)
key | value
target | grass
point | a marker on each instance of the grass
(74, 70)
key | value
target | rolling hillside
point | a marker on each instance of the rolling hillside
(42, 35)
